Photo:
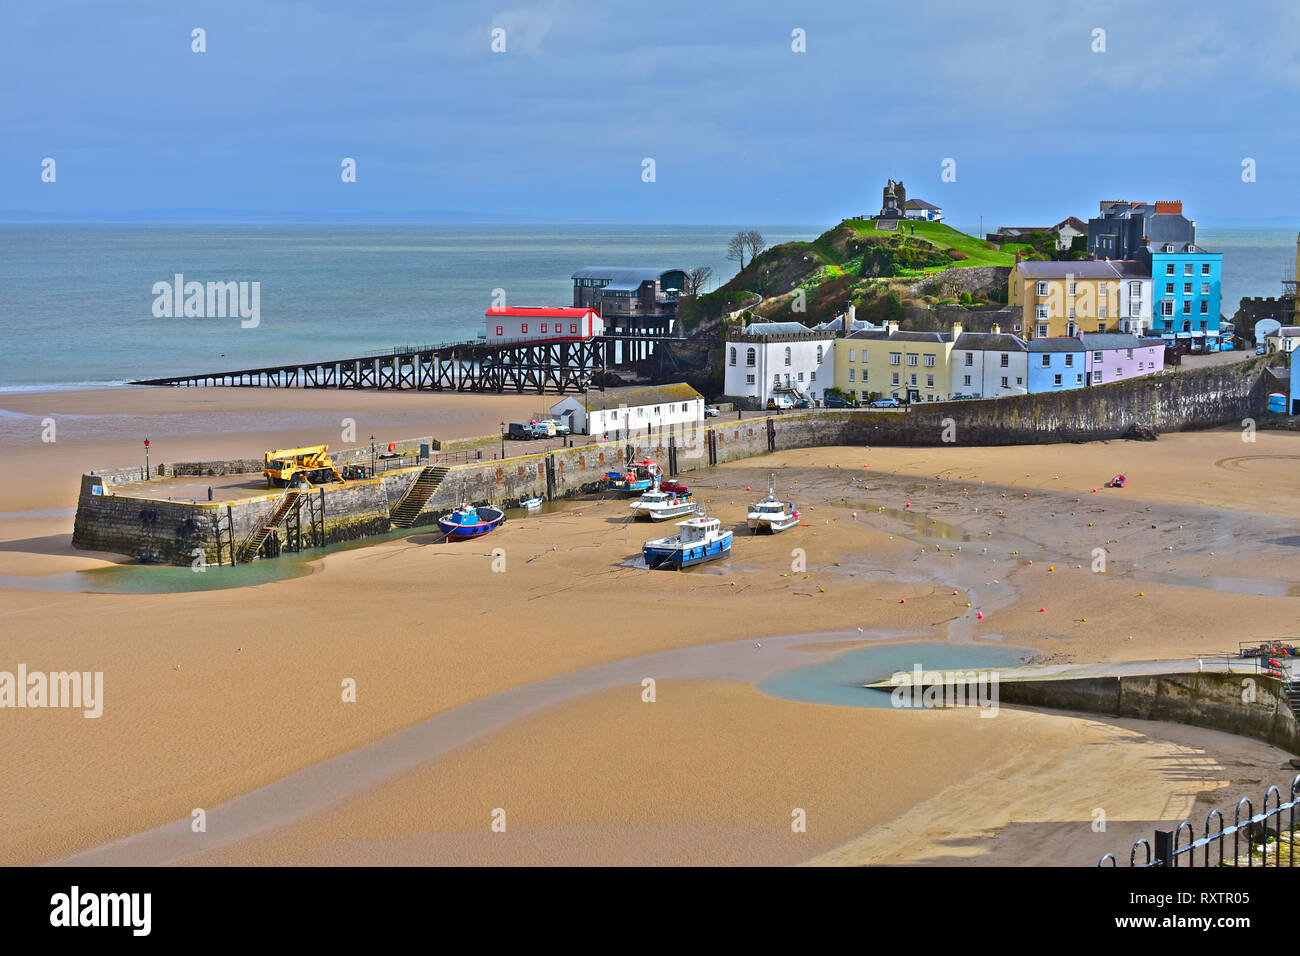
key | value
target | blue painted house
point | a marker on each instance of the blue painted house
(1057, 364)
(1185, 288)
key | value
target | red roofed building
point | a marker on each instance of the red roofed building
(522, 324)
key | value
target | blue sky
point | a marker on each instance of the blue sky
(741, 127)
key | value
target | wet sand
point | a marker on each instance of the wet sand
(256, 697)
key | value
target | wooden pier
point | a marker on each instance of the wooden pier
(558, 367)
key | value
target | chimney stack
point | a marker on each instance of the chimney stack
(956, 331)
(891, 327)
(997, 329)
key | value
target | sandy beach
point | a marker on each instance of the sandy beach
(213, 694)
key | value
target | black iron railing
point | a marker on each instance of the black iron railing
(1262, 831)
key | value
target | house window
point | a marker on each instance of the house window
(1169, 269)
(1166, 307)
(895, 358)
(1019, 380)
(1101, 326)
(776, 379)
(1187, 307)
(894, 378)
(1006, 360)
(1187, 288)
(864, 375)
(965, 380)
(853, 355)
(801, 376)
(1042, 288)
(1078, 379)
(911, 360)
(749, 380)
(1056, 380)
(1096, 356)
(1073, 286)
(1070, 329)
(1135, 288)
(733, 356)
(1205, 308)
(1102, 313)
(819, 355)
(749, 358)
(912, 379)
(1069, 360)
(501, 330)
(658, 410)
(1187, 269)
(1101, 288)
(1040, 312)
(1047, 360)
(1041, 331)
(1205, 268)
(787, 355)
(1205, 288)
(1169, 288)
(929, 381)
(970, 360)
(929, 361)
(851, 371)
(812, 376)
(1096, 375)
(1128, 353)
(1004, 381)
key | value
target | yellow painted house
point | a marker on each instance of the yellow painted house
(1054, 299)
(909, 366)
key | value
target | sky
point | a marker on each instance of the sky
(1033, 112)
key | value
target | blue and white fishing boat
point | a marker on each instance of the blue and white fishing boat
(772, 514)
(701, 539)
(469, 521)
(636, 478)
(532, 504)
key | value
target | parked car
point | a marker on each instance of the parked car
(561, 428)
(886, 403)
(832, 401)
(711, 411)
(521, 431)
(542, 429)
(674, 487)
(780, 401)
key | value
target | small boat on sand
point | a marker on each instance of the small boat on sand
(638, 476)
(1119, 481)
(532, 504)
(659, 505)
(470, 521)
(700, 539)
(772, 514)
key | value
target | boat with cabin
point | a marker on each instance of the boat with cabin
(471, 521)
(659, 505)
(772, 514)
(700, 539)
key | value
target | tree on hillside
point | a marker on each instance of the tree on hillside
(736, 247)
(755, 242)
(697, 279)
(878, 261)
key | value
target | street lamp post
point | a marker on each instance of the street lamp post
(147, 476)
(372, 456)
(503, 440)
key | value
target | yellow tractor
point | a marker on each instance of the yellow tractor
(287, 466)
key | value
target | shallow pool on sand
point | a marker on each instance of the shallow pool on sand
(839, 681)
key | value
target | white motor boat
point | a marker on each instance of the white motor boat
(772, 514)
(657, 505)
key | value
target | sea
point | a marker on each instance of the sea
(78, 302)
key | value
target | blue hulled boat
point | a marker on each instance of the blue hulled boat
(639, 476)
(469, 521)
(701, 539)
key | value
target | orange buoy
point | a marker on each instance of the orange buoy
(902, 601)
(1042, 610)
(980, 615)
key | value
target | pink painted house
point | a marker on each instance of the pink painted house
(1113, 356)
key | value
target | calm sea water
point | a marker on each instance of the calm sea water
(77, 304)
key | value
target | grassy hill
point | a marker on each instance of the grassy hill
(853, 262)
